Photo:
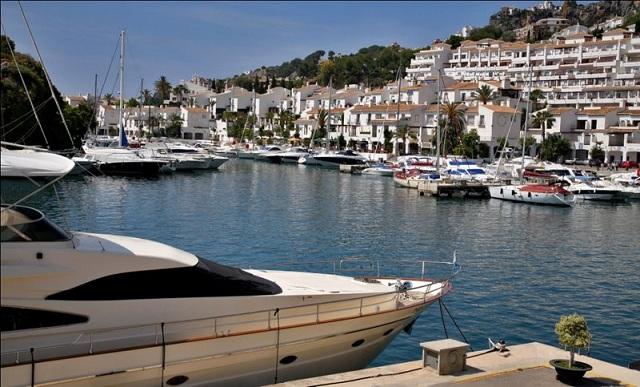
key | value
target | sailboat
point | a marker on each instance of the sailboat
(117, 159)
(543, 193)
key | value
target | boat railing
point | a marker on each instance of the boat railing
(74, 344)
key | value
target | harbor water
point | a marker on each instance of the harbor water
(523, 266)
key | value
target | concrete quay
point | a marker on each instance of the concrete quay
(522, 365)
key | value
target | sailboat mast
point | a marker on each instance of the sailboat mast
(329, 114)
(121, 108)
(398, 108)
(438, 124)
(95, 102)
(526, 123)
(140, 105)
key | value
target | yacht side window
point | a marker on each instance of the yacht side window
(15, 319)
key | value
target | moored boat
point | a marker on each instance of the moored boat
(544, 194)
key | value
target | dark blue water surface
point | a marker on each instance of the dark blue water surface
(523, 266)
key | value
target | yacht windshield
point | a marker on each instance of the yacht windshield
(24, 224)
(475, 171)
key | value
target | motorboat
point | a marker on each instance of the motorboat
(85, 308)
(290, 156)
(592, 190)
(628, 183)
(25, 169)
(124, 162)
(188, 152)
(545, 194)
(380, 169)
(181, 162)
(83, 165)
(335, 159)
(270, 154)
(33, 164)
(411, 178)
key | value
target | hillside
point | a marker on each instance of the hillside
(375, 66)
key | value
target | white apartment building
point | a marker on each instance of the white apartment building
(224, 101)
(300, 96)
(195, 123)
(272, 101)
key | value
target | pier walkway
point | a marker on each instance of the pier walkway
(522, 365)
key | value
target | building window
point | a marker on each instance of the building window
(481, 124)
(15, 319)
(187, 136)
(199, 136)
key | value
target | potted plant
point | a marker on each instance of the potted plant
(573, 334)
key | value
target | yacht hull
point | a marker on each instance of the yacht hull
(241, 360)
(130, 168)
(513, 194)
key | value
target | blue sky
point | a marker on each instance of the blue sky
(219, 39)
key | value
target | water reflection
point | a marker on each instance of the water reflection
(524, 266)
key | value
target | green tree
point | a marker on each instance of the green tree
(596, 151)
(469, 144)
(163, 88)
(454, 41)
(528, 143)
(555, 147)
(19, 123)
(543, 119)
(404, 133)
(174, 127)
(454, 120)
(535, 97)
(573, 333)
(483, 94)
(132, 103)
(179, 91)
(108, 98)
(146, 97)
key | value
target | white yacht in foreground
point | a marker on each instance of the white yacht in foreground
(93, 309)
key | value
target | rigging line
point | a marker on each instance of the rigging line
(46, 73)
(456, 324)
(26, 114)
(442, 317)
(17, 126)
(64, 212)
(104, 81)
(24, 84)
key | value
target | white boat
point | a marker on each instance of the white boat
(590, 190)
(411, 178)
(83, 165)
(123, 162)
(30, 164)
(335, 159)
(269, 153)
(290, 156)
(191, 153)
(380, 169)
(82, 308)
(308, 159)
(544, 194)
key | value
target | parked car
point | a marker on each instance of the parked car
(628, 164)
(582, 162)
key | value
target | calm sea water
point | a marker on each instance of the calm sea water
(523, 266)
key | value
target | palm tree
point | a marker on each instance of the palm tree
(543, 119)
(179, 91)
(402, 133)
(146, 96)
(483, 94)
(323, 119)
(163, 88)
(108, 98)
(535, 96)
(453, 115)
